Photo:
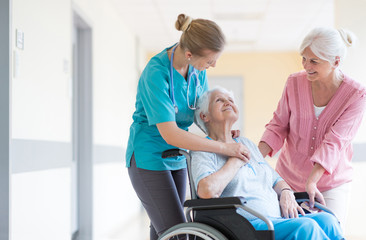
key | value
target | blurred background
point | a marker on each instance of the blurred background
(69, 71)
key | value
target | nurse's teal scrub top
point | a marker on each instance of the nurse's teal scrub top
(154, 105)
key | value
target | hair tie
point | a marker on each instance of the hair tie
(345, 37)
(187, 24)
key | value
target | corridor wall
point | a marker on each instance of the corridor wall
(41, 117)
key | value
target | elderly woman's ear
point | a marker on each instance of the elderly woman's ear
(204, 117)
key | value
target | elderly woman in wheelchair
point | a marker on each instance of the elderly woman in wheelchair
(216, 176)
(239, 199)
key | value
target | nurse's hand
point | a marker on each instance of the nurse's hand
(314, 195)
(289, 206)
(238, 150)
(235, 133)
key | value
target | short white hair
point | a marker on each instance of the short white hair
(328, 43)
(204, 102)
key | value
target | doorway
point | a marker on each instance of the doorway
(82, 128)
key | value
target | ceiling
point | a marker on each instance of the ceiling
(249, 25)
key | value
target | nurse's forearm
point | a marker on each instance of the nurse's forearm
(177, 137)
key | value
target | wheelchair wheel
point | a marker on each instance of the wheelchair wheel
(192, 231)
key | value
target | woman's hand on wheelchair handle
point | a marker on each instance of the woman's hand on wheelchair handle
(314, 195)
(289, 206)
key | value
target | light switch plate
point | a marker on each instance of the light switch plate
(19, 39)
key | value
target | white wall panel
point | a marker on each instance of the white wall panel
(41, 96)
(41, 89)
(41, 205)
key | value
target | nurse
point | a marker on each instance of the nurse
(167, 92)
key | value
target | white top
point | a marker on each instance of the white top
(318, 110)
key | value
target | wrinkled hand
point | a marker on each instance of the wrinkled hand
(289, 206)
(237, 150)
(235, 133)
(238, 162)
(314, 195)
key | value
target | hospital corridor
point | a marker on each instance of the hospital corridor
(69, 86)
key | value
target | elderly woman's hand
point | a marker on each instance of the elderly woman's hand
(238, 162)
(288, 204)
(238, 150)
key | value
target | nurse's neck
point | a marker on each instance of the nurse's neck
(180, 62)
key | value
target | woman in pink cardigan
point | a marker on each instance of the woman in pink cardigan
(316, 119)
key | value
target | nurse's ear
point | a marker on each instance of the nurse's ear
(188, 55)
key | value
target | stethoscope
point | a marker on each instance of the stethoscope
(193, 73)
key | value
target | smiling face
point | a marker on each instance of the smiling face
(222, 107)
(316, 68)
(206, 61)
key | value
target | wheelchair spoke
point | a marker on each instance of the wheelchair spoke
(192, 231)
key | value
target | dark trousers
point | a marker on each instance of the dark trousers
(162, 194)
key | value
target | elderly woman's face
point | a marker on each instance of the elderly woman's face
(316, 68)
(222, 107)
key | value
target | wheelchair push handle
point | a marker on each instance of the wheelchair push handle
(304, 197)
(174, 152)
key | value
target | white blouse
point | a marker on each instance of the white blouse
(318, 110)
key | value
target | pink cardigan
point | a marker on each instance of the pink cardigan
(306, 139)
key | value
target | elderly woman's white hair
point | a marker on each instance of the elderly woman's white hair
(328, 44)
(203, 104)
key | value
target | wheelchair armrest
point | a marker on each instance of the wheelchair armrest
(227, 202)
(214, 203)
(304, 197)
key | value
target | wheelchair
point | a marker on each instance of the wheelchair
(217, 218)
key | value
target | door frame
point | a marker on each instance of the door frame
(82, 131)
(5, 116)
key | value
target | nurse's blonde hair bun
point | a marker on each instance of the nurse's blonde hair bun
(183, 22)
(199, 35)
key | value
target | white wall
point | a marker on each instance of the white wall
(115, 73)
(41, 111)
(41, 114)
(351, 15)
(40, 96)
